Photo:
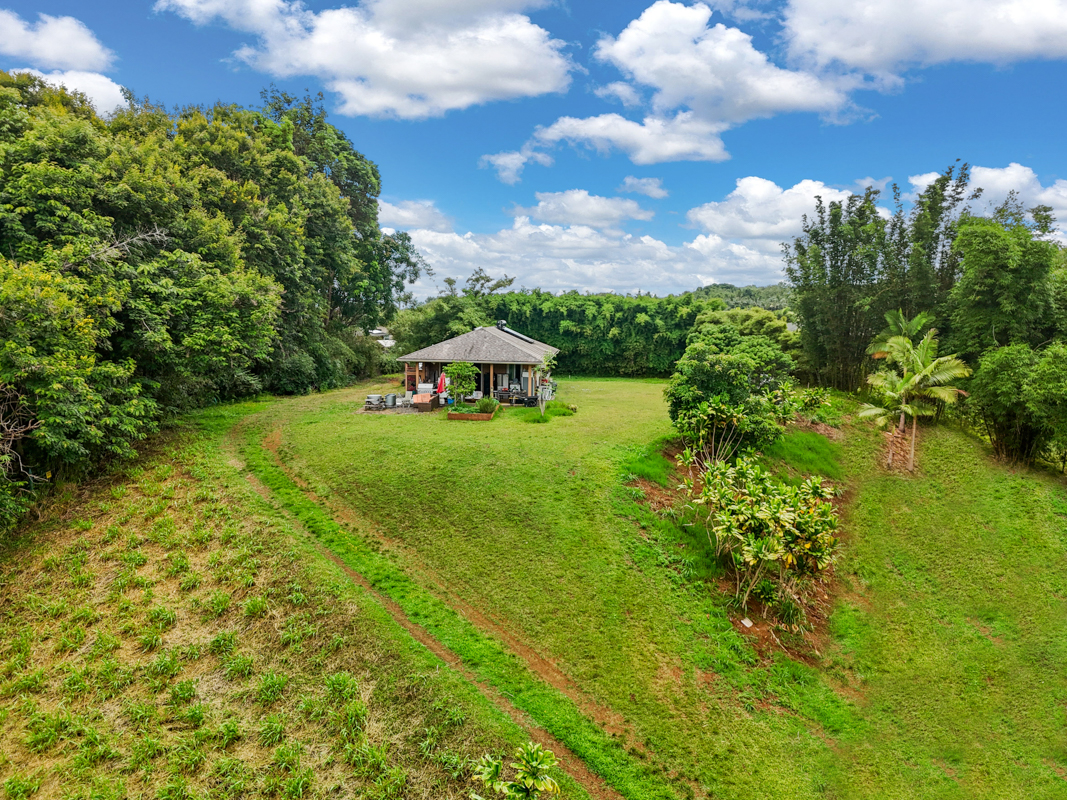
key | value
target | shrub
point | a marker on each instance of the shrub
(773, 537)
(486, 405)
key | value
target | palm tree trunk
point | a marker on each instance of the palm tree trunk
(914, 430)
(900, 425)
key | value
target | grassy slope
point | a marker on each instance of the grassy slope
(114, 680)
(959, 633)
(530, 524)
(944, 678)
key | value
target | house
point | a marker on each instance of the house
(507, 361)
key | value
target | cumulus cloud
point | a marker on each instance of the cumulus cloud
(395, 58)
(712, 69)
(408, 214)
(996, 182)
(578, 207)
(621, 91)
(561, 258)
(704, 79)
(759, 214)
(883, 36)
(62, 43)
(103, 93)
(652, 187)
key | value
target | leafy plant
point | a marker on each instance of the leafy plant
(765, 531)
(531, 765)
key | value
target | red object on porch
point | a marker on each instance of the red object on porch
(441, 384)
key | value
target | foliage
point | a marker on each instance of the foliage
(603, 334)
(531, 765)
(461, 376)
(159, 261)
(918, 387)
(725, 401)
(1003, 295)
(486, 405)
(1020, 397)
(850, 266)
(772, 298)
(764, 529)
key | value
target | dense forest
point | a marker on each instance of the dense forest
(157, 261)
(597, 334)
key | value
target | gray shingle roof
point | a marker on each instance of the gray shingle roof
(484, 346)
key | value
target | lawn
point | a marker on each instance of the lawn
(524, 555)
(529, 532)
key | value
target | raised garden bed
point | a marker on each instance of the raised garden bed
(473, 416)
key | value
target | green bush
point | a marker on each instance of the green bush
(486, 405)
(774, 538)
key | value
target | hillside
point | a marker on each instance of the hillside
(489, 583)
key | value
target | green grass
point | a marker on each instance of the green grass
(533, 523)
(806, 453)
(87, 711)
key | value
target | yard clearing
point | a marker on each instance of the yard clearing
(520, 551)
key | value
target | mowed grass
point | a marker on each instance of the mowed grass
(165, 633)
(956, 629)
(943, 676)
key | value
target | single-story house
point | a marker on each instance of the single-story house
(508, 362)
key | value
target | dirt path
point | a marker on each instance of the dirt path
(574, 766)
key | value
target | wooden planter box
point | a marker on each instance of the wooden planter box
(479, 417)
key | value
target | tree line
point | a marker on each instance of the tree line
(157, 260)
(597, 334)
(995, 287)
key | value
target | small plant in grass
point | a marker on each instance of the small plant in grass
(287, 757)
(20, 787)
(298, 785)
(70, 639)
(531, 766)
(366, 760)
(165, 665)
(271, 687)
(176, 788)
(223, 643)
(231, 778)
(217, 604)
(228, 733)
(350, 719)
(341, 687)
(144, 751)
(141, 715)
(104, 643)
(296, 595)
(182, 692)
(390, 784)
(239, 666)
(150, 640)
(272, 730)
(255, 607)
(187, 757)
(189, 582)
(110, 679)
(179, 563)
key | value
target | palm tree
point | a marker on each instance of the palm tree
(923, 381)
(894, 393)
(898, 325)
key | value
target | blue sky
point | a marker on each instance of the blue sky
(606, 146)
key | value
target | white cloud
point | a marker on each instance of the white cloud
(103, 93)
(683, 137)
(408, 214)
(704, 80)
(652, 187)
(623, 92)
(883, 36)
(578, 207)
(510, 164)
(386, 58)
(62, 43)
(759, 214)
(712, 69)
(996, 182)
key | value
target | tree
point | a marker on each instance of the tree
(461, 375)
(1003, 296)
(922, 382)
(898, 325)
(1020, 396)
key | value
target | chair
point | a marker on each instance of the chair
(405, 401)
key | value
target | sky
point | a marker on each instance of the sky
(609, 146)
